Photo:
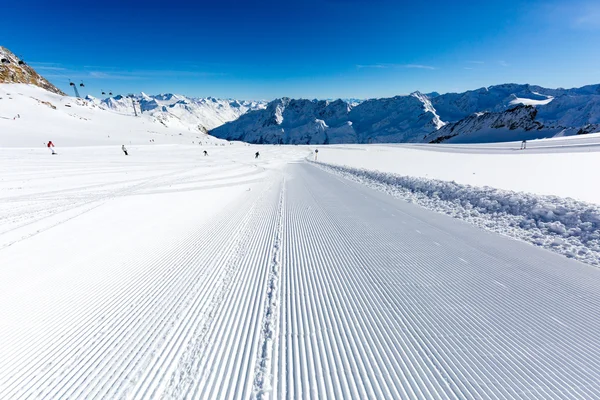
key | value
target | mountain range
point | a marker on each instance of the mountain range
(179, 111)
(497, 113)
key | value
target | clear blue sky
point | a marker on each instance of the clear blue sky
(305, 48)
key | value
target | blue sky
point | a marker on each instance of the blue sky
(309, 49)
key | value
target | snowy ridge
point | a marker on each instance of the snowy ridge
(423, 118)
(517, 123)
(563, 225)
(179, 111)
(289, 121)
(13, 72)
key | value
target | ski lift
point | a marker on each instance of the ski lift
(21, 62)
(110, 93)
(103, 92)
(71, 84)
(5, 61)
(81, 84)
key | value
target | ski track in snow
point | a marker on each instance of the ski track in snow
(291, 282)
(562, 225)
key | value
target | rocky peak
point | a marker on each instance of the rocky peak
(15, 70)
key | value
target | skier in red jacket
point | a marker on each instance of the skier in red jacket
(51, 147)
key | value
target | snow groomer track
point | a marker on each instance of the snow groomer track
(278, 281)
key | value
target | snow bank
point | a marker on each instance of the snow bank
(563, 225)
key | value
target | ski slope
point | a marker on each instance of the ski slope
(559, 166)
(168, 274)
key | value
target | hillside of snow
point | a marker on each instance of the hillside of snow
(495, 113)
(31, 116)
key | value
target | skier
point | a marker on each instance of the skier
(523, 144)
(256, 155)
(205, 152)
(124, 150)
(51, 147)
(316, 154)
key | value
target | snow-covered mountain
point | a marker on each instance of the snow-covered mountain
(496, 113)
(179, 111)
(517, 123)
(15, 70)
(290, 121)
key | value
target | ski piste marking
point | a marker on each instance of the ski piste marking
(263, 372)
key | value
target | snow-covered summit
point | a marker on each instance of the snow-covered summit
(180, 111)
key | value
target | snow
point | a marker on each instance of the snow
(531, 102)
(170, 274)
(518, 193)
(557, 167)
(565, 226)
(180, 111)
(68, 121)
(498, 113)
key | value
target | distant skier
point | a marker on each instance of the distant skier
(124, 150)
(205, 153)
(51, 147)
(256, 155)
(523, 144)
(316, 154)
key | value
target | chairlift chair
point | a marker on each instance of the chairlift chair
(81, 84)
(5, 61)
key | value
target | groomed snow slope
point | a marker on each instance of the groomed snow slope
(167, 274)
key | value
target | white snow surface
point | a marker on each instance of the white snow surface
(559, 167)
(524, 201)
(169, 274)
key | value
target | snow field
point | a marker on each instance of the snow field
(128, 290)
(558, 167)
(167, 274)
(383, 299)
(70, 122)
